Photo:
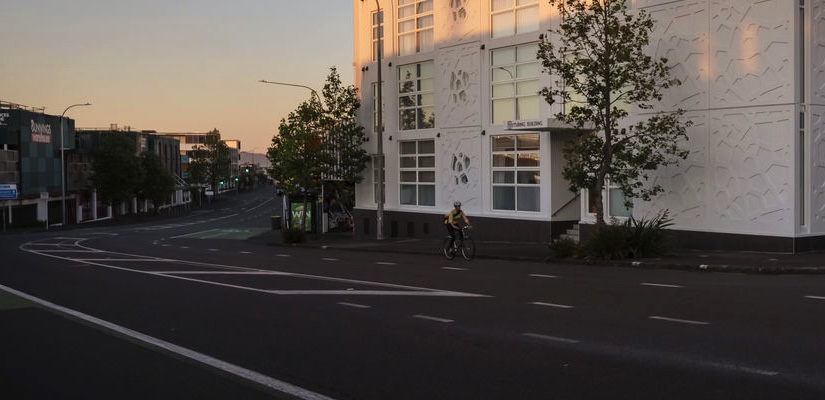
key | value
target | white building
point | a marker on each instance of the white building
(463, 120)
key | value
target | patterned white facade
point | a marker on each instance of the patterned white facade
(753, 76)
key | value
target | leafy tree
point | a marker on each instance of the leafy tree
(598, 51)
(320, 142)
(117, 172)
(158, 183)
(210, 163)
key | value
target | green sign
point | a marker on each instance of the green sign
(295, 215)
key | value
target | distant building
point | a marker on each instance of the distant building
(463, 121)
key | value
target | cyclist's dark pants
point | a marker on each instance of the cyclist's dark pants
(452, 231)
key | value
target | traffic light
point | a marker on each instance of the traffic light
(236, 179)
(247, 170)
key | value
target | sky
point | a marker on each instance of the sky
(173, 65)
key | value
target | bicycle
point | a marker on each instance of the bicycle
(466, 246)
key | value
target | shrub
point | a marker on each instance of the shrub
(294, 235)
(631, 239)
(563, 248)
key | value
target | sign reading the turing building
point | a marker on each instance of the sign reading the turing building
(41, 133)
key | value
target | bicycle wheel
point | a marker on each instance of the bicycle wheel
(468, 249)
(447, 249)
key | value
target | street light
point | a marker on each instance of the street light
(291, 84)
(379, 212)
(63, 163)
(515, 89)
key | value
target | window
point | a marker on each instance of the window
(515, 83)
(377, 35)
(417, 172)
(376, 87)
(416, 101)
(510, 17)
(415, 26)
(516, 172)
(614, 206)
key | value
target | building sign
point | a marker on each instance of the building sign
(41, 133)
(3, 117)
(526, 124)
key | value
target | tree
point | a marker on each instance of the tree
(158, 183)
(320, 142)
(117, 171)
(210, 163)
(598, 52)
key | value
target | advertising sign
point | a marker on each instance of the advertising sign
(296, 208)
(8, 191)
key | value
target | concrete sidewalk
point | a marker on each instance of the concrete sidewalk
(698, 260)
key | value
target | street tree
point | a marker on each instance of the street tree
(158, 183)
(320, 141)
(597, 56)
(117, 171)
(210, 163)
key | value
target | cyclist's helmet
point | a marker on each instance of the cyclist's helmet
(457, 204)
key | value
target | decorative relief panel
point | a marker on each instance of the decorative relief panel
(681, 36)
(685, 184)
(459, 176)
(818, 169)
(458, 97)
(457, 21)
(752, 50)
(817, 48)
(751, 164)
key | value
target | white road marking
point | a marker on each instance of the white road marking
(390, 289)
(429, 318)
(385, 263)
(538, 303)
(329, 259)
(245, 252)
(354, 305)
(282, 255)
(815, 297)
(233, 369)
(664, 285)
(212, 249)
(551, 338)
(544, 276)
(455, 268)
(682, 321)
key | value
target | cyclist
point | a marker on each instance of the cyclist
(451, 222)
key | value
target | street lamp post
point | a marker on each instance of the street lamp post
(63, 164)
(292, 84)
(379, 210)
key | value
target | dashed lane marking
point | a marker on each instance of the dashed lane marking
(329, 259)
(551, 338)
(430, 318)
(663, 285)
(538, 303)
(385, 263)
(679, 320)
(543, 276)
(354, 305)
(815, 297)
(455, 268)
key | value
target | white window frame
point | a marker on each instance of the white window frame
(377, 34)
(520, 168)
(416, 95)
(415, 25)
(416, 171)
(515, 82)
(513, 17)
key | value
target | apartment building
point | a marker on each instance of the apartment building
(463, 121)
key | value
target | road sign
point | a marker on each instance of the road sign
(8, 191)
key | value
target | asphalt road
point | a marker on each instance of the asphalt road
(188, 308)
